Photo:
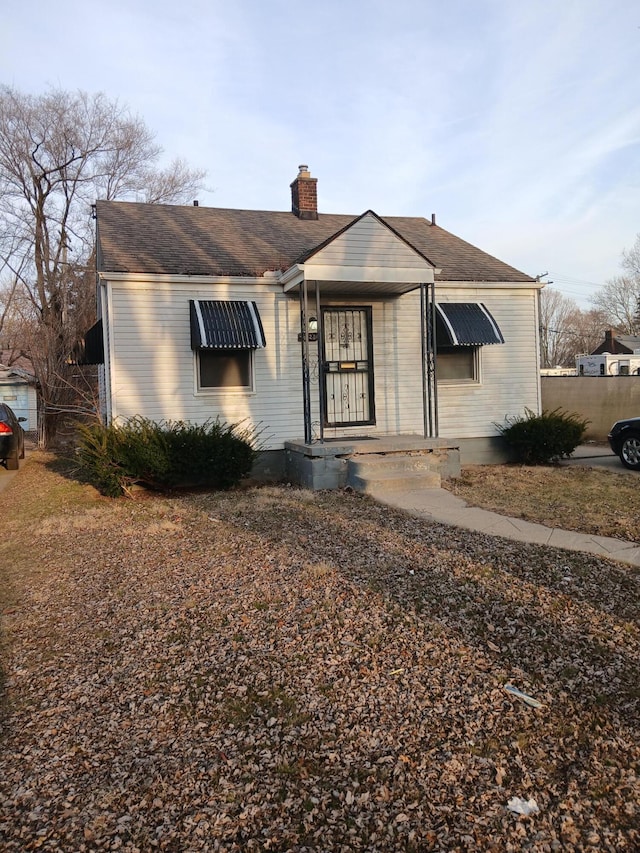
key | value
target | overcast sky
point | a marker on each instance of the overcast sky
(517, 123)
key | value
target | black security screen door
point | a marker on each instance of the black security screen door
(347, 367)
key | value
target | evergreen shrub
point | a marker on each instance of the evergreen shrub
(543, 439)
(165, 455)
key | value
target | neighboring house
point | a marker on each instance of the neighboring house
(320, 328)
(615, 344)
(617, 355)
(18, 391)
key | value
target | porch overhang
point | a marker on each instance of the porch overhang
(359, 282)
(356, 281)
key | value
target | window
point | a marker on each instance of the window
(457, 364)
(462, 328)
(221, 368)
(224, 335)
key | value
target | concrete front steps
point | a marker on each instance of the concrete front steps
(375, 463)
(372, 473)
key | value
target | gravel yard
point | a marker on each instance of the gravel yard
(272, 669)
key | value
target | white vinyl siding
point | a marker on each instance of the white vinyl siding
(398, 364)
(507, 375)
(153, 370)
(508, 379)
(368, 243)
(396, 368)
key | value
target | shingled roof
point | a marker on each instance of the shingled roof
(184, 240)
(618, 344)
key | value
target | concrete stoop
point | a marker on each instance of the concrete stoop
(388, 462)
(371, 473)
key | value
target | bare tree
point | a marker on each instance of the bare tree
(567, 331)
(585, 330)
(59, 152)
(631, 261)
(557, 312)
(618, 302)
(7, 294)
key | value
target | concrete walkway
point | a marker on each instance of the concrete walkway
(443, 506)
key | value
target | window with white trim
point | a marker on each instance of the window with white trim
(457, 364)
(225, 369)
(462, 329)
(224, 335)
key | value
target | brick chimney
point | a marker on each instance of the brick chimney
(304, 195)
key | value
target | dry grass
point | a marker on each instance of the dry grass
(279, 670)
(588, 500)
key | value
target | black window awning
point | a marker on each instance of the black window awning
(225, 324)
(466, 324)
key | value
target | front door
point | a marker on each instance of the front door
(347, 362)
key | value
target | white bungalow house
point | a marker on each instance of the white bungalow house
(339, 335)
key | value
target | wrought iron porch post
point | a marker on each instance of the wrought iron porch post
(428, 342)
(432, 357)
(306, 383)
(426, 403)
(321, 388)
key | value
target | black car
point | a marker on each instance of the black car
(624, 439)
(11, 438)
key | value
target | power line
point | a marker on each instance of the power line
(573, 280)
(572, 292)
